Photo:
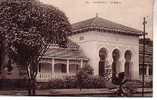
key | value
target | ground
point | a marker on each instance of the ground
(72, 92)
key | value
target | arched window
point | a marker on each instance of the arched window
(102, 62)
(60, 68)
(115, 54)
(116, 62)
(128, 55)
(128, 64)
(102, 54)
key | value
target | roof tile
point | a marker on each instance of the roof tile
(106, 25)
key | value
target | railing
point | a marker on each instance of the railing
(147, 77)
(45, 77)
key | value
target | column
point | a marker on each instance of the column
(110, 60)
(39, 67)
(52, 63)
(81, 63)
(147, 70)
(67, 66)
(122, 60)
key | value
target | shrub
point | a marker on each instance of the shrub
(93, 82)
(83, 79)
(67, 82)
(70, 82)
(149, 84)
(83, 75)
(56, 84)
(43, 85)
(13, 84)
(88, 69)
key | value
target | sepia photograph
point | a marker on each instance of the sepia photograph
(76, 48)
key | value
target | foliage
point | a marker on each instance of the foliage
(83, 74)
(13, 84)
(57, 83)
(68, 82)
(30, 26)
(72, 82)
(27, 28)
(94, 82)
(88, 69)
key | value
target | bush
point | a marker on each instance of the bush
(93, 82)
(13, 84)
(83, 76)
(72, 82)
(68, 82)
(56, 84)
(88, 69)
(149, 84)
(83, 79)
(43, 85)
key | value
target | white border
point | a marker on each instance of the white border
(107, 98)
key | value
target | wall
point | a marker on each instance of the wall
(91, 42)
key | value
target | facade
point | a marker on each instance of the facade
(61, 62)
(108, 47)
(148, 69)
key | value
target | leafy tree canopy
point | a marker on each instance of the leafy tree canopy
(30, 26)
(27, 28)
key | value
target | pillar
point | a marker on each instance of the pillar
(147, 70)
(67, 66)
(109, 58)
(52, 63)
(122, 61)
(38, 67)
(81, 63)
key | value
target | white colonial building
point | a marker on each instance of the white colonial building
(106, 46)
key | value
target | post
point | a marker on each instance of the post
(144, 23)
(147, 70)
(81, 63)
(67, 66)
(52, 71)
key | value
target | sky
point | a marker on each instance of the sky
(127, 12)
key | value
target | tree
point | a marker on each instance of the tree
(83, 73)
(29, 28)
(88, 69)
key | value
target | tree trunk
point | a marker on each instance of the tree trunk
(29, 87)
(32, 73)
(32, 87)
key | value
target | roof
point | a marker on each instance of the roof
(69, 44)
(100, 24)
(64, 53)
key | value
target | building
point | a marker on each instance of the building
(148, 65)
(60, 62)
(106, 46)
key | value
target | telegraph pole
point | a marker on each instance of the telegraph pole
(144, 33)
